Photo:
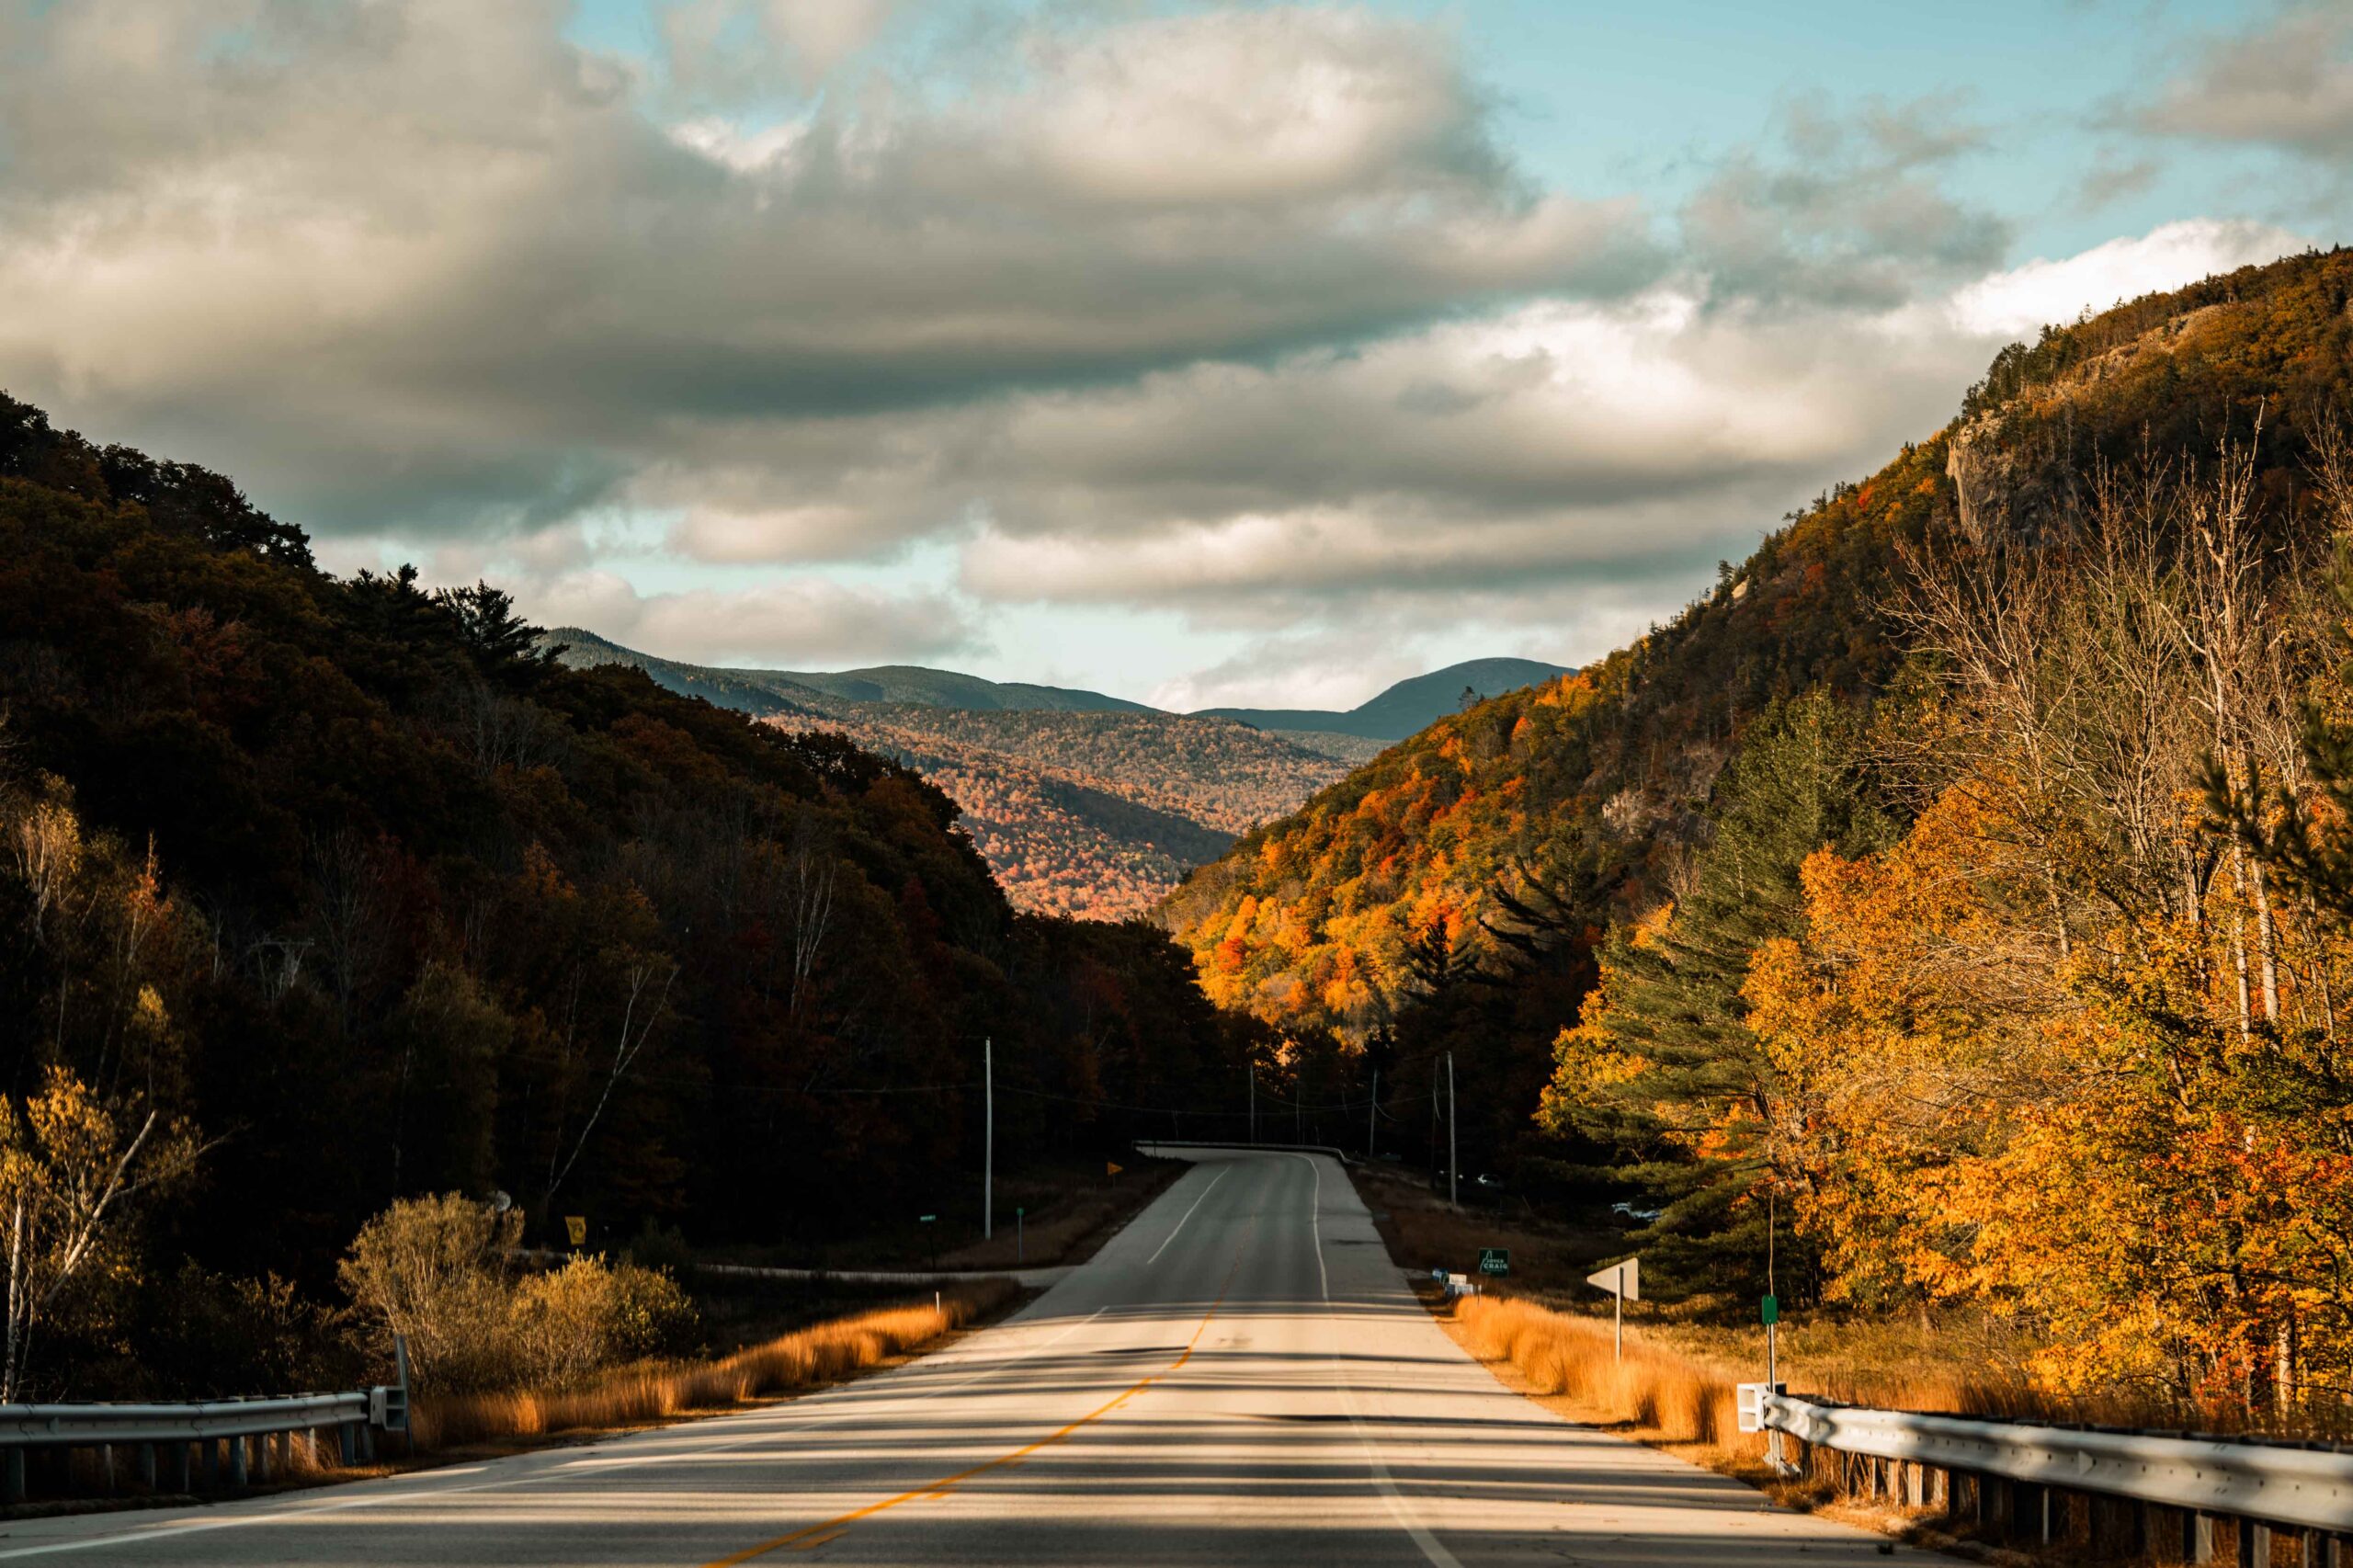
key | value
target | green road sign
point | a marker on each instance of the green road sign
(1494, 1260)
(926, 1218)
(1770, 1310)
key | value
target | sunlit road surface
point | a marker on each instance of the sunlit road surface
(1240, 1377)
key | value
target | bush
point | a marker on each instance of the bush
(440, 1271)
(586, 1316)
(436, 1270)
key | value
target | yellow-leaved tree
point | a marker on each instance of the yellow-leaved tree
(70, 1167)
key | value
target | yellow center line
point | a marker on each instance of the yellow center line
(817, 1535)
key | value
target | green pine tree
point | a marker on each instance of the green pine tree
(1670, 1001)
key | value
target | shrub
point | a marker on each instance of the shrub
(436, 1270)
(575, 1322)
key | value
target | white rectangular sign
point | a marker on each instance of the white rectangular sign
(1620, 1279)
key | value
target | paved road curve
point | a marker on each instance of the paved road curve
(1240, 1377)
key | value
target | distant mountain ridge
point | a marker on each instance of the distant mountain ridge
(805, 690)
(1082, 804)
(1405, 708)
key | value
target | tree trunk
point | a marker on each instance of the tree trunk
(2266, 947)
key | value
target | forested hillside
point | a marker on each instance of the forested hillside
(1088, 811)
(318, 892)
(1961, 876)
(1094, 815)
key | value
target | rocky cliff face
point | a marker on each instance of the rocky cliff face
(2015, 468)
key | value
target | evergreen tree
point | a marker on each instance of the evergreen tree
(1663, 1068)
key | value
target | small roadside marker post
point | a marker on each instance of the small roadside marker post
(1017, 1234)
(1624, 1282)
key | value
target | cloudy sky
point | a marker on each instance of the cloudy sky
(1198, 353)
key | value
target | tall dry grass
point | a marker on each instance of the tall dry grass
(805, 1358)
(1653, 1394)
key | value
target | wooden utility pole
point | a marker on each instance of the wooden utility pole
(1453, 1163)
(988, 1143)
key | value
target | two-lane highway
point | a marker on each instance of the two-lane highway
(1239, 1377)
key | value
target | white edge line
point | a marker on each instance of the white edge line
(173, 1529)
(1431, 1547)
(1188, 1215)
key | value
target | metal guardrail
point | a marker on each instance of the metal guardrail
(2265, 1485)
(1146, 1145)
(212, 1443)
(84, 1426)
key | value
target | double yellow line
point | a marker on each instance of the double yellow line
(818, 1535)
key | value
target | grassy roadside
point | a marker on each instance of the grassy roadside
(1552, 1342)
(462, 1429)
(1659, 1398)
(798, 1362)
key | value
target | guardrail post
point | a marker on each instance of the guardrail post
(2198, 1537)
(263, 1467)
(176, 1457)
(142, 1466)
(13, 1487)
(238, 1477)
(346, 1447)
(2254, 1543)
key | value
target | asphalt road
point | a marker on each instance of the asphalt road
(1239, 1377)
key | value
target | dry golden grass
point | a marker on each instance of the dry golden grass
(1653, 1394)
(805, 1358)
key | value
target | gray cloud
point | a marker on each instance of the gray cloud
(795, 622)
(2286, 83)
(1239, 313)
(423, 262)
(734, 50)
(1848, 212)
